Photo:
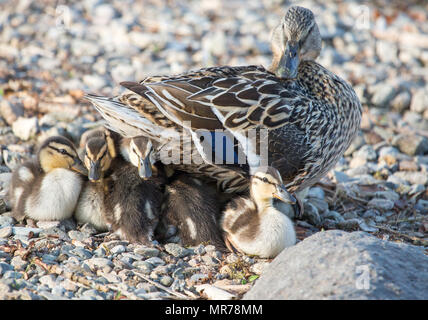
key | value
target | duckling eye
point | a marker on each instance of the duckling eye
(62, 151)
(265, 180)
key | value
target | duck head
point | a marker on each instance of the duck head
(98, 157)
(59, 152)
(266, 184)
(140, 155)
(295, 39)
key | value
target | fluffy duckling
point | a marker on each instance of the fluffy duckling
(133, 205)
(252, 224)
(48, 187)
(189, 204)
(193, 208)
(99, 156)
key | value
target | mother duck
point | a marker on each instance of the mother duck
(309, 114)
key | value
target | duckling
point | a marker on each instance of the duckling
(115, 197)
(193, 208)
(133, 205)
(99, 156)
(252, 224)
(48, 187)
(189, 204)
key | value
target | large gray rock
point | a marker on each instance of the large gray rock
(341, 265)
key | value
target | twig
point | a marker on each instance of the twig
(402, 234)
(174, 293)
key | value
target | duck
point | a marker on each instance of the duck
(295, 115)
(99, 157)
(252, 224)
(48, 186)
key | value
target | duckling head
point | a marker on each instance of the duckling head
(59, 152)
(296, 39)
(99, 155)
(266, 184)
(140, 155)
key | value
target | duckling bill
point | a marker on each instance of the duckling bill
(48, 187)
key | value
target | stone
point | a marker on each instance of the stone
(177, 250)
(24, 231)
(339, 265)
(406, 165)
(5, 232)
(10, 111)
(118, 249)
(411, 144)
(99, 263)
(367, 153)
(381, 204)
(401, 102)
(422, 206)
(5, 267)
(311, 213)
(413, 177)
(25, 128)
(420, 101)
(383, 94)
(155, 261)
(166, 281)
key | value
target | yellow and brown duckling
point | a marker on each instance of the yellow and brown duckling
(252, 225)
(115, 196)
(189, 204)
(48, 187)
(99, 157)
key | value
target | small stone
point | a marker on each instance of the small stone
(383, 94)
(77, 235)
(82, 253)
(24, 231)
(118, 249)
(259, 267)
(198, 277)
(99, 263)
(311, 214)
(4, 267)
(401, 102)
(381, 204)
(334, 215)
(349, 225)
(155, 261)
(146, 252)
(413, 177)
(143, 266)
(367, 153)
(48, 280)
(420, 101)
(177, 250)
(405, 165)
(411, 144)
(232, 258)
(6, 221)
(10, 112)
(416, 188)
(5, 232)
(25, 128)
(18, 263)
(208, 260)
(422, 206)
(316, 192)
(166, 281)
(12, 275)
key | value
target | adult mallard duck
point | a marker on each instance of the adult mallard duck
(310, 114)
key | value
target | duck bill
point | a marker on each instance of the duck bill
(94, 171)
(283, 195)
(289, 63)
(79, 167)
(145, 168)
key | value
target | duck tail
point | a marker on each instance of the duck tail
(121, 117)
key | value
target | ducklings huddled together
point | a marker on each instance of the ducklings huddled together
(115, 184)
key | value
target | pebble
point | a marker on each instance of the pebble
(177, 250)
(25, 128)
(5, 232)
(381, 204)
(411, 144)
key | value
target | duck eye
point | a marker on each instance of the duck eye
(265, 180)
(62, 151)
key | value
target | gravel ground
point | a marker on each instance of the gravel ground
(52, 52)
